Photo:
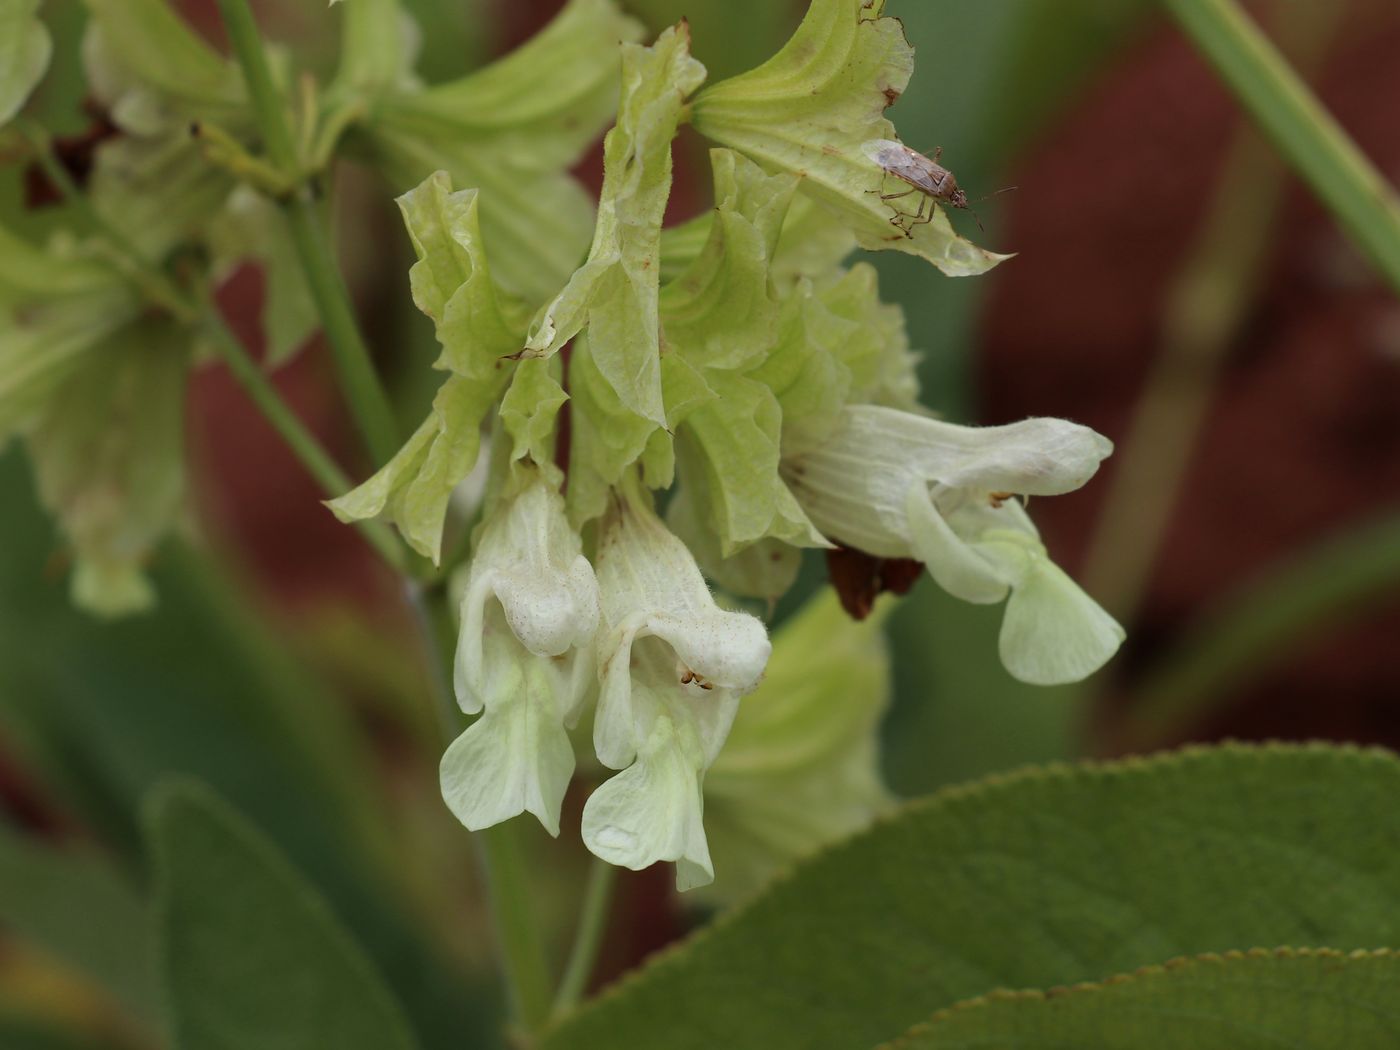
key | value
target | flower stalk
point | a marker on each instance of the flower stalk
(354, 368)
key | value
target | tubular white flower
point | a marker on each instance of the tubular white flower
(524, 656)
(673, 666)
(899, 485)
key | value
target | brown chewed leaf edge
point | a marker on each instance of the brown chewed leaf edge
(1300, 998)
(1034, 879)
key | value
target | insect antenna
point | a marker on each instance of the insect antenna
(994, 193)
(985, 196)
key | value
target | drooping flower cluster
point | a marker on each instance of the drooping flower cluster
(93, 363)
(698, 402)
(736, 364)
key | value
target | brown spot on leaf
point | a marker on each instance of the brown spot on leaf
(891, 97)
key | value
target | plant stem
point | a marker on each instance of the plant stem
(1210, 298)
(1205, 307)
(255, 383)
(363, 393)
(1303, 131)
(592, 924)
(155, 284)
(302, 442)
(513, 913)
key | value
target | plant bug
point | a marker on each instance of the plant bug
(926, 177)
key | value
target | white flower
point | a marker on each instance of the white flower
(899, 485)
(529, 616)
(673, 666)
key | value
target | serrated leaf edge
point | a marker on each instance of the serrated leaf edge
(1181, 962)
(1089, 769)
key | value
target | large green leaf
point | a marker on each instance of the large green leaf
(99, 713)
(251, 955)
(1041, 878)
(74, 905)
(21, 1032)
(1260, 1000)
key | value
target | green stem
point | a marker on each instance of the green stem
(592, 924)
(308, 451)
(513, 910)
(363, 393)
(1306, 134)
(1260, 624)
(153, 283)
(1205, 307)
(245, 370)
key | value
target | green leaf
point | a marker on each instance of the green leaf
(75, 905)
(25, 49)
(108, 452)
(43, 343)
(157, 189)
(154, 45)
(376, 50)
(512, 130)
(811, 108)
(1042, 878)
(800, 768)
(21, 1032)
(208, 686)
(478, 328)
(252, 956)
(1257, 1000)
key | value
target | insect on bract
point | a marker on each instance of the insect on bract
(926, 177)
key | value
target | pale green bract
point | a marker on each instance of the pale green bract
(511, 129)
(615, 292)
(25, 49)
(720, 319)
(108, 454)
(478, 327)
(151, 41)
(810, 108)
(154, 183)
(801, 767)
(97, 392)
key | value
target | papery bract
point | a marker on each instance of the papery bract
(801, 766)
(477, 327)
(810, 108)
(511, 129)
